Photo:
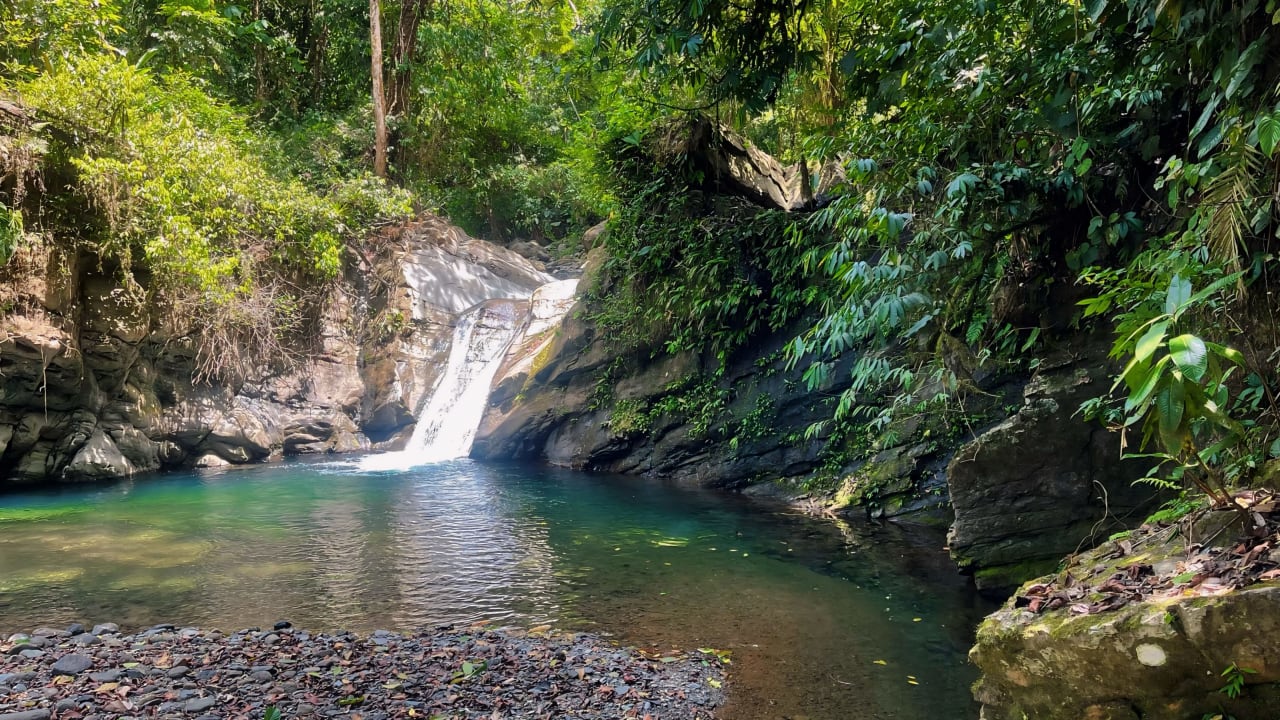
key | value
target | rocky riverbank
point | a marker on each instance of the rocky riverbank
(166, 672)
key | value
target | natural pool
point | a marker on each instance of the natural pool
(823, 621)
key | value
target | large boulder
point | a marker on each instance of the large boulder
(1045, 482)
(1132, 631)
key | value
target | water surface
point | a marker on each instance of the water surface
(823, 620)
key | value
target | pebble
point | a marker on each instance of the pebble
(191, 674)
(199, 704)
(72, 664)
(85, 639)
(28, 715)
(105, 629)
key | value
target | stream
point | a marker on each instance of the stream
(822, 620)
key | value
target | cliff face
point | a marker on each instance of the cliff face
(92, 389)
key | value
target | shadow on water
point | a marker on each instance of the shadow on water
(823, 620)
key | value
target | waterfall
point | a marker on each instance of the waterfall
(447, 424)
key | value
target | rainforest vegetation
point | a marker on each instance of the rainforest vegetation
(987, 176)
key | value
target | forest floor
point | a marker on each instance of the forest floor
(165, 672)
(1205, 553)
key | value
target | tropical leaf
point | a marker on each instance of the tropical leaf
(1150, 341)
(1178, 294)
(1190, 355)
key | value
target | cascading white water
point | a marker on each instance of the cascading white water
(447, 425)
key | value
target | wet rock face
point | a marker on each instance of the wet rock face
(545, 406)
(1154, 660)
(93, 390)
(1044, 483)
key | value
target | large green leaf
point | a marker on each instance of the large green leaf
(1268, 133)
(1134, 375)
(1190, 355)
(1151, 340)
(1140, 398)
(1179, 293)
(1170, 408)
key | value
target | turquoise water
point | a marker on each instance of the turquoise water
(824, 620)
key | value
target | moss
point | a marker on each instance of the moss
(1014, 574)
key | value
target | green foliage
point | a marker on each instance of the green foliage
(184, 194)
(691, 271)
(1174, 509)
(1234, 676)
(996, 155)
(11, 232)
(38, 35)
(1178, 390)
(502, 133)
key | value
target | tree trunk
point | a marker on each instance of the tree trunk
(411, 12)
(379, 114)
(259, 62)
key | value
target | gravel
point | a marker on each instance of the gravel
(450, 672)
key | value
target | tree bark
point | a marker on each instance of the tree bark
(402, 56)
(259, 61)
(379, 113)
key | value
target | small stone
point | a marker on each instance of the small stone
(105, 676)
(66, 704)
(27, 715)
(49, 632)
(72, 664)
(262, 676)
(1151, 655)
(271, 639)
(283, 625)
(105, 628)
(32, 653)
(178, 671)
(199, 704)
(85, 639)
(75, 629)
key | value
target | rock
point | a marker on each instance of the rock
(178, 671)
(1044, 483)
(85, 639)
(98, 459)
(530, 251)
(26, 715)
(1157, 660)
(72, 664)
(199, 704)
(75, 629)
(105, 628)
